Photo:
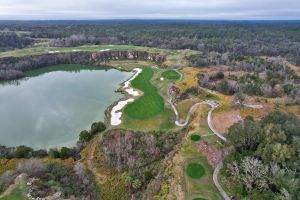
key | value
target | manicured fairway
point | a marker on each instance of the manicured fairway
(148, 105)
(171, 75)
(195, 138)
(195, 170)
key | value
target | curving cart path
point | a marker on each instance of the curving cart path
(214, 105)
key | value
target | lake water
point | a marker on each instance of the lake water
(52, 105)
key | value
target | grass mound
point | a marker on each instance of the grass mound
(148, 105)
(195, 170)
(195, 138)
(171, 75)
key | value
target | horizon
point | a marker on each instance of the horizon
(33, 10)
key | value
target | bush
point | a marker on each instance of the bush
(84, 136)
(23, 152)
(8, 177)
(54, 153)
(97, 127)
(32, 167)
(65, 153)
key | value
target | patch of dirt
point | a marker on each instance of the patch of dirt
(222, 121)
(212, 154)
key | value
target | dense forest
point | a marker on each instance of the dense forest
(263, 77)
(10, 40)
(264, 162)
(237, 38)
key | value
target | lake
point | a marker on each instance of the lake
(52, 105)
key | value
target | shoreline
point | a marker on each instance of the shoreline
(130, 93)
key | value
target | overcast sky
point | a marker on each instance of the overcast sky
(149, 9)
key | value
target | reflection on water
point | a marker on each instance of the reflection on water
(52, 105)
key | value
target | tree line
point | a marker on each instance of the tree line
(10, 40)
(240, 38)
(14, 67)
(62, 153)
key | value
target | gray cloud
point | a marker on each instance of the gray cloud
(154, 9)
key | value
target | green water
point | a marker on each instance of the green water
(52, 105)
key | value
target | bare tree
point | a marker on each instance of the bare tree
(251, 173)
(32, 167)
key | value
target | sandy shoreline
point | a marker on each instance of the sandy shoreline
(116, 112)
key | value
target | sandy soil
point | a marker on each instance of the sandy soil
(222, 121)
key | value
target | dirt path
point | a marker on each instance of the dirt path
(90, 164)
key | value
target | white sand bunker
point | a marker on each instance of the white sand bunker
(53, 51)
(104, 50)
(138, 71)
(132, 92)
(75, 50)
(161, 78)
(116, 112)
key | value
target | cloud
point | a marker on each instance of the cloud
(151, 9)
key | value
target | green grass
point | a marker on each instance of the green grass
(199, 198)
(150, 103)
(195, 138)
(195, 170)
(203, 187)
(17, 193)
(171, 75)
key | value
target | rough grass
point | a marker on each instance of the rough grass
(171, 75)
(195, 170)
(8, 164)
(189, 78)
(195, 137)
(16, 191)
(150, 103)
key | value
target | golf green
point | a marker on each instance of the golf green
(195, 170)
(171, 75)
(150, 103)
(195, 138)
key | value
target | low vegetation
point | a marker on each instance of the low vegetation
(44, 180)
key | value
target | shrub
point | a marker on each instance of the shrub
(97, 127)
(23, 152)
(84, 136)
(54, 153)
(65, 153)
(32, 167)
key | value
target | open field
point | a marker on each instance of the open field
(150, 103)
